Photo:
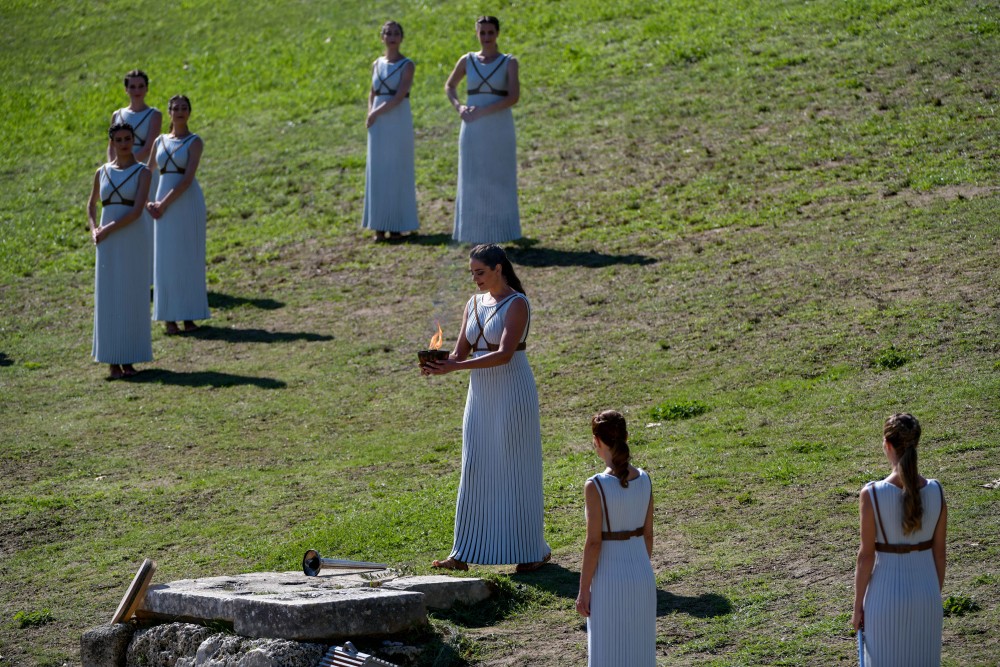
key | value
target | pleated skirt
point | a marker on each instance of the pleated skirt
(486, 209)
(122, 331)
(179, 290)
(903, 612)
(390, 181)
(621, 629)
(147, 219)
(499, 512)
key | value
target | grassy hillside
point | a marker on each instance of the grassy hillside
(778, 220)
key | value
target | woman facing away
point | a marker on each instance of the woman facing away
(617, 586)
(179, 290)
(901, 561)
(486, 209)
(122, 335)
(390, 190)
(499, 512)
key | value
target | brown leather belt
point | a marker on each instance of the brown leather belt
(490, 347)
(622, 534)
(903, 548)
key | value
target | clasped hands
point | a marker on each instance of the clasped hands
(469, 114)
(155, 209)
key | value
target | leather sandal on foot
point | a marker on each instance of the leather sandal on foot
(450, 563)
(531, 567)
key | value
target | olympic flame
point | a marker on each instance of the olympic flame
(437, 339)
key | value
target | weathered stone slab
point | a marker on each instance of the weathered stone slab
(105, 645)
(441, 591)
(186, 645)
(290, 605)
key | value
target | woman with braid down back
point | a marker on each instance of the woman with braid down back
(617, 586)
(901, 562)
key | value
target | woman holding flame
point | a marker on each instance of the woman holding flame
(499, 511)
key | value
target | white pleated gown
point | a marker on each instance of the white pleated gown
(122, 332)
(903, 611)
(486, 209)
(179, 289)
(621, 629)
(139, 120)
(390, 180)
(499, 512)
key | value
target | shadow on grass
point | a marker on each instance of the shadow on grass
(420, 239)
(206, 332)
(706, 605)
(534, 256)
(202, 379)
(513, 593)
(228, 301)
(5, 360)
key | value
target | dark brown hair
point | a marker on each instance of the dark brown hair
(118, 127)
(902, 431)
(174, 100)
(491, 254)
(492, 20)
(136, 73)
(609, 426)
(388, 24)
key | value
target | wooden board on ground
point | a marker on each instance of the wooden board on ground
(135, 593)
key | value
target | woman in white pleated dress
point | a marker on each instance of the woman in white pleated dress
(486, 208)
(901, 561)
(122, 334)
(617, 592)
(146, 122)
(499, 512)
(179, 290)
(390, 184)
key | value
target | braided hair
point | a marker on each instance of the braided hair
(902, 431)
(609, 427)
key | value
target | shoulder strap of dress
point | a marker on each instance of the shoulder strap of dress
(604, 501)
(878, 514)
(941, 511)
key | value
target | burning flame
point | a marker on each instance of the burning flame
(437, 339)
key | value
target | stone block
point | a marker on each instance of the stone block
(290, 605)
(442, 591)
(168, 645)
(106, 645)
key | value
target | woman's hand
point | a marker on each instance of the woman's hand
(155, 209)
(439, 367)
(858, 619)
(583, 603)
(101, 233)
(370, 120)
(469, 114)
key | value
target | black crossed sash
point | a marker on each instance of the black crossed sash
(170, 156)
(383, 87)
(116, 188)
(478, 90)
(137, 140)
(493, 347)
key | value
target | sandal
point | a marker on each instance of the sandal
(450, 563)
(190, 326)
(531, 567)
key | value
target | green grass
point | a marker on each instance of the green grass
(784, 212)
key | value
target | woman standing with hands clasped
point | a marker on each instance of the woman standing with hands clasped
(617, 586)
(901, 562)
(121, 271)
(499, 511)
(486, 209)
(179, 291)
(390, 190)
